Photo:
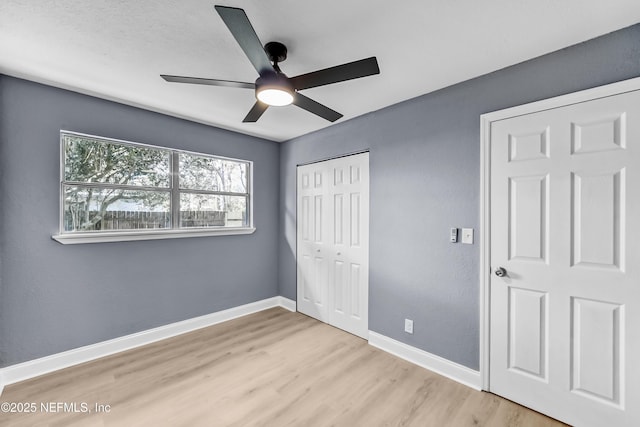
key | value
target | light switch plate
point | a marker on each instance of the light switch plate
(453, 235)
(467, 236)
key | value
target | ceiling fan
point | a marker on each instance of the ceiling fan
(273, 87)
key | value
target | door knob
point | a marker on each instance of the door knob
(501, 272)
(338, 254)
(317, 250)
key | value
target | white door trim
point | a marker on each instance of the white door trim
(485, 190)
(339, 156)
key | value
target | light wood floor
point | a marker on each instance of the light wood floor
(273, 368)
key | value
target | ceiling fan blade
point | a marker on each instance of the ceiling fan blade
(256, 112)
(315, 107)
(211, 82)
(339, 73)
(238, 22)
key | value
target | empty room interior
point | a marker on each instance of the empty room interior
(327, 213)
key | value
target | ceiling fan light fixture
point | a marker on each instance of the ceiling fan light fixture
(274, 90)
(274, 96)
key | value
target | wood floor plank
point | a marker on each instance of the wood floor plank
(272, 368)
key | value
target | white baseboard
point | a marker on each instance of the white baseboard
(33, 368)
(437, 364)
(287, 303)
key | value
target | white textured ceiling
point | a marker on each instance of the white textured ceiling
(116, 49)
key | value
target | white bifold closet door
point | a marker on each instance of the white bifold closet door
(333, 242)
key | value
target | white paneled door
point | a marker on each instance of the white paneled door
(565, 261)
(333, 242)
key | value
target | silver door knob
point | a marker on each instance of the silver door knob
(338, 254)
(501, 272)
(317, 250)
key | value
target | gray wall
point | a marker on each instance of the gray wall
(425, 157)
(55, 297)
(425, 172)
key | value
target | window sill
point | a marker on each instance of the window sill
(127, 236)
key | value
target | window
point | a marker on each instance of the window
(121, 189)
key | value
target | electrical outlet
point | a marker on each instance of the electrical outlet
(408, 326)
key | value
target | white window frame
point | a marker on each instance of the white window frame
(66, 237)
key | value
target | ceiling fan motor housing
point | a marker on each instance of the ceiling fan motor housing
(276, 51)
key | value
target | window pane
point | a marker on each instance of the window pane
(205, 210)
(207, 173)
(92, 160)
(94, 209)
